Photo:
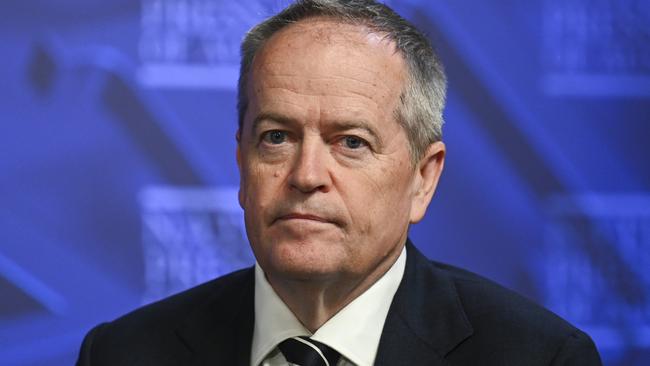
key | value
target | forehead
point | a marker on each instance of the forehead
(323, 57)
(330, 41)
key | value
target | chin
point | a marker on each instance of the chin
(305, 273)
(306, 261)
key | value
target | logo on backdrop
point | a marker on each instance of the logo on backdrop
(189, 236)
(596, 265)
(195, 43)
(596, 47)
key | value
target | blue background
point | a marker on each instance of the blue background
(118, 176)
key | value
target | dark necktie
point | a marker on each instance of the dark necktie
(304, 351)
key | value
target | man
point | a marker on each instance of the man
(339, 150)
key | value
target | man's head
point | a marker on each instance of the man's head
(422, 99)
(332, 173)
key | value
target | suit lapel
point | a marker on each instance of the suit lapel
(220, 331)
(426, 319)
(424, 323)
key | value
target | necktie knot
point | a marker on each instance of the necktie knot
(304, 351)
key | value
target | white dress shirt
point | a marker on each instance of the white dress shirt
(354, 331)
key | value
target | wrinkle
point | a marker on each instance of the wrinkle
(349, 93)
(329, 77)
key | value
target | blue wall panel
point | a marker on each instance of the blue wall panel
(118, 181)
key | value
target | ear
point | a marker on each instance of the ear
(240, 195)
(238, 153)
(426, 179)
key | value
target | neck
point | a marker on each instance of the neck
(315, 302)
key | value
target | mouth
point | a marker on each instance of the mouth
(306, 217)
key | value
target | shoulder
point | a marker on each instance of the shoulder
(220, 292)
(154, 332)
(486, 301)
(508, 326)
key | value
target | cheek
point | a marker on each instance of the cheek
(387, 199)
(261, 186)
(374, 198)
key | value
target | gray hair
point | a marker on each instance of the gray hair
(423, 98)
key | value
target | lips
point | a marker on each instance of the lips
(300, 216)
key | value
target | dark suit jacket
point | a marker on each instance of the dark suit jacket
(441, 315)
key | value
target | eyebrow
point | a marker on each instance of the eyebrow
(270, 116)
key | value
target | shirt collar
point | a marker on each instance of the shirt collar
(274, 321)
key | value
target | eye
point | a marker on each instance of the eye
(354, 142)
(274, 137)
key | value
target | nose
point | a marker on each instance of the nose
(310, 172)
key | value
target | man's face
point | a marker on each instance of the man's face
(327, 184)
